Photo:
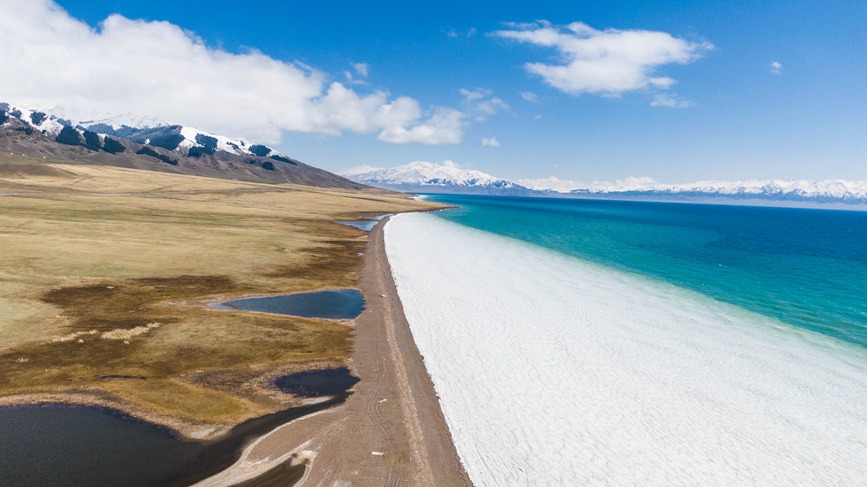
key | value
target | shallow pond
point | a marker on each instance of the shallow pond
(365, 225)
(333, 304)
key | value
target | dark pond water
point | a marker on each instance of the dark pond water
(314, 383)
(59, 446)
(335, 304)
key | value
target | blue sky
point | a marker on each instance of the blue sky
(730, 113)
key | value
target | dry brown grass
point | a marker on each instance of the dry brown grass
(92, 253)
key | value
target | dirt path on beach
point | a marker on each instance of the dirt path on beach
(390, 431)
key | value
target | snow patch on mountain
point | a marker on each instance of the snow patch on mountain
(35, 118)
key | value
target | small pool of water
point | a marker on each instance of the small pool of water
(315, 383)
(365, 225)
(334, 304)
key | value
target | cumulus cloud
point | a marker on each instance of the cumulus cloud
(444, 127)
(669, 101)
(482, 103)
(490, 142)
(607, 62)
(776, 67)
(157, 69)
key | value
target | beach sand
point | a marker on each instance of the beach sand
(390, 431)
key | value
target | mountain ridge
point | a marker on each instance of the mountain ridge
(833, 190)
(157, 147)
(427, 177)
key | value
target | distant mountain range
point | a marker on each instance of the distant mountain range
(143, 143)
(828, 191)
(153, 145)
(426, 177)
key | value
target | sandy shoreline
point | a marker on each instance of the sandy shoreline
(390, 431)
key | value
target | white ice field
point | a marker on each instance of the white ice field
(554, 371)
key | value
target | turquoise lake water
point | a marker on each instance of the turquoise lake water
(805, 267)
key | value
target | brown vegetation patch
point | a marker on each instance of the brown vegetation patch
(336, 261)
(187, 354)
(200, 365)
(129, 303)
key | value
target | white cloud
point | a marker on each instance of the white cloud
(670, 101)
(482, 103)
(551, 183)
(157, 69)
(490, 142)
(473, 95)
(444, 127)
(608, 62)
(530, 96)
(776, 67)
(632, 183)
(352, 171)
(363, 69)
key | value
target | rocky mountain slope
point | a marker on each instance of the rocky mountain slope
(154, 146)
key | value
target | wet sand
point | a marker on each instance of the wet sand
(390, 431)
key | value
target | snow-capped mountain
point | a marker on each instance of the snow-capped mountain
(427, 177)
(834, 190)
(187, 141)
(154, 146)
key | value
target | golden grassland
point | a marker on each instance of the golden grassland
(107, 272)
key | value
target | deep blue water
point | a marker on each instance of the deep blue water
(805, 267)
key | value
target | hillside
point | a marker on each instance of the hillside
(154, 147)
